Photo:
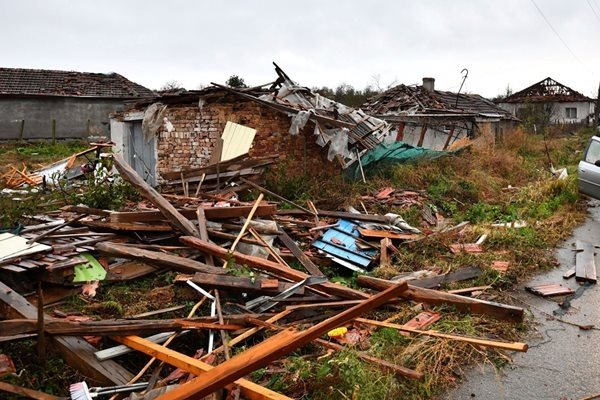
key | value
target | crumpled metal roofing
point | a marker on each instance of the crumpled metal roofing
(544, 91)
(40, 82)
(411, 100)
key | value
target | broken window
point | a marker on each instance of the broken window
(571, 112)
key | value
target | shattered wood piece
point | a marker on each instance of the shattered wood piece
(569, 273)
(129, 270)
(239, 283)
(501, 266)
(439, 280)
(471, 248)
(116, 351)
(468, 290)
(76, 352)
(515, 346)
(263, 190)
(435, 297)
(423, 320)
(246, 224)
(299, 254)
(154, 197)
(114, 327)
(339, 215)
(384, 193)
(385, 365)
(376, 233)
(269, 284)
(249, 389)
(585, 265)
(550, 289)
(129, 226)
(28, 393)
(384, 257)
(156, 312)
(271, 267)
(177, 263)
(271, 349)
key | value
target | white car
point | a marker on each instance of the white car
(589, 169)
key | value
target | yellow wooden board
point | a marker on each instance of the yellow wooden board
(237, 140)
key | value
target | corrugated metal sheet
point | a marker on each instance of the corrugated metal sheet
(237, 140)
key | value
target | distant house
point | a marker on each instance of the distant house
(42, 104)
(438, 120)
(560, 103)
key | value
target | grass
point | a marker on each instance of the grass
(509, 182)
(35, 154)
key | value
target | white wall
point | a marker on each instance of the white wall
(559, 110)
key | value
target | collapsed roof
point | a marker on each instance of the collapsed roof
(41, 82)
(546, 90)
(418, 101)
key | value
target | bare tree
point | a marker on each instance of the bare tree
(171, 85)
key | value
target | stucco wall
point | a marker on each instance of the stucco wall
(76, 118)
(559, 114)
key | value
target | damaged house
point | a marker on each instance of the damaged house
(438, 120)
(559, 104)
(48, 104)
(191, 130)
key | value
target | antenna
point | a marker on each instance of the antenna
(466, 73)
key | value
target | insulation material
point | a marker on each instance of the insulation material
(237, 140)
(153, 119)
(299, 121)
(339, 145)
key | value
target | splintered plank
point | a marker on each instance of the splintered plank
(472, 248)
(273, 348)
(585, 266)
(150, 194)
(76, 352)
(435, 297)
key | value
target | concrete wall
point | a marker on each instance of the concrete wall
(76, 118)
(559, 113)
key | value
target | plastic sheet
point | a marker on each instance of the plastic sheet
(299, 121)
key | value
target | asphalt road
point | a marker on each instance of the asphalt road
(563, 361)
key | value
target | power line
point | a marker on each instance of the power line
(593, 9)
(558, 35)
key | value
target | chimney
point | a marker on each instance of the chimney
(429, 84)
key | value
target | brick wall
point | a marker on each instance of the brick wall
(193, 139)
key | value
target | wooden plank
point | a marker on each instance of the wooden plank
(262, 210)
(25, 392)
(271, 349)
(177, 263)
(339, 214)
(462, 303)
(150, 194)
(238, 283)
(129, 270)
(384, 365)
(109, 327)
(455, 276)
(515, 346)
(376, 233)
(585, 265)
(249, 389)
(271, 267)
(299, 254)
(77, 352)
(117, 351)
(469, 289)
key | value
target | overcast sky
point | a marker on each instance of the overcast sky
(316, 42)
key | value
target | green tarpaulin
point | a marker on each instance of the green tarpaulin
(389, 154)
(92, 270)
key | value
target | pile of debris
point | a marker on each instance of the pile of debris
(218, 246)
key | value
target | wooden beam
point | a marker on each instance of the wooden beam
(299, 254)
(514, 346)
(157, 258)
(339, 214)
(150, 194)
(462, 303)
(273, 348)
(375, 233)
(271, 267)
(267, 191)
(29, 393)
(77, 352)
(262, 210)
(385, 365)
(238, 283)
(189, 364)
(110, 327)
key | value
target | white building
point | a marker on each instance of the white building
(561, 103)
